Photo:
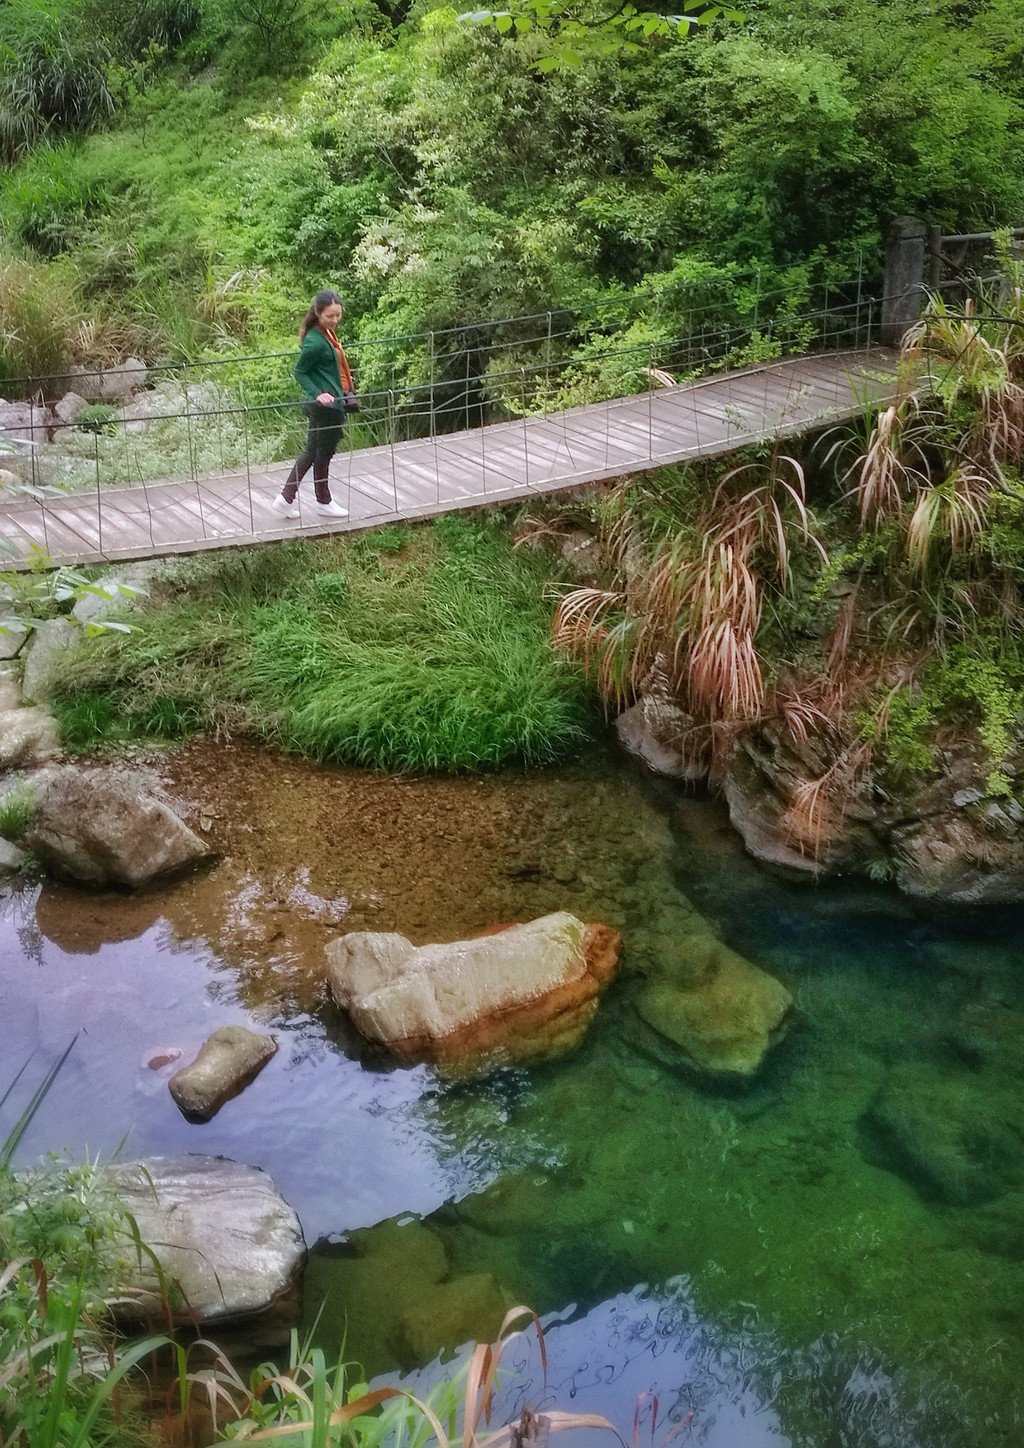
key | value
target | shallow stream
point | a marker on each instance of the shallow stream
(760, 1260)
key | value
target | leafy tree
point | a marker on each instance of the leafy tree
(571, 27)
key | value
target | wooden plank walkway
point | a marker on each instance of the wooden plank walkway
(498, 463)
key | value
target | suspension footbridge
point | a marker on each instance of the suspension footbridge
(499, 462)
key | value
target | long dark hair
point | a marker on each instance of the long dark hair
(326, 298)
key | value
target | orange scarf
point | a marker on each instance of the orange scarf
(343, 367)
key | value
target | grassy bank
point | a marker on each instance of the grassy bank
(406, 649)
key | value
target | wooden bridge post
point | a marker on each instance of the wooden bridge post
(903, 291)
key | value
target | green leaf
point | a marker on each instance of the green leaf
(503, 23)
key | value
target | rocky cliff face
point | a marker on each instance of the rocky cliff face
(937, 835)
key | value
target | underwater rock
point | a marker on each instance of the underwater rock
(28, 738)
(990, 1033)
(528, 991)
(388, 1293)
(227, 1061)
(220, 1230)
(98, 826)
(467, 1309)
(998, 1226)
(719, 1016)
(953, 1135)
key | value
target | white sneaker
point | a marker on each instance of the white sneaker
(287, 510)
(331, 509)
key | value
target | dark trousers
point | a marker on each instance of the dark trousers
(325, 428)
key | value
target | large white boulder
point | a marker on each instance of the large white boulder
(226, 1241)
(100, 826)
(524, 991)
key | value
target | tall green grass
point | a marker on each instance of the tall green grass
(62, 1248)
(409, 650)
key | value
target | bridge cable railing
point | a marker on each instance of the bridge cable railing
(204, 434)
(210, 432)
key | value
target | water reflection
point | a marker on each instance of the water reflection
(647, 1360)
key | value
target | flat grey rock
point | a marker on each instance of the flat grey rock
(11, 644)
(220, 1230)
(11, 857)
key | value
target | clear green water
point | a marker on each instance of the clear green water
(772, 1261)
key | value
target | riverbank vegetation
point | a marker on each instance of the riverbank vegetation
(406, 649)
(860, 600)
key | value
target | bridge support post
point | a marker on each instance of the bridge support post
(903, 292)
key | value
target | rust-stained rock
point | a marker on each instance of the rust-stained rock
(528, 991)
(228, 1060)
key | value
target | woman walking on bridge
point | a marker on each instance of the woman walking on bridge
(324, 376)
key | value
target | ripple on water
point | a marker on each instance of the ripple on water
(802, 1286)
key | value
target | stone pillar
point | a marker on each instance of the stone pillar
(903, 293)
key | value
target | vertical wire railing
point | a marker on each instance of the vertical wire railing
(508, 370)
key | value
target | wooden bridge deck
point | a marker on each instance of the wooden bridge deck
(498, 463)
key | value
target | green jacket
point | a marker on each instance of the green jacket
(316, 369)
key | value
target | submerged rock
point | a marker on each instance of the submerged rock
(223, 1236)
(953, 1136)
(718, 1016)
(389, 1292)
(99, 827)
(527, 991)
(227, 1062)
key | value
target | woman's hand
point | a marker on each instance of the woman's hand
(326, 399)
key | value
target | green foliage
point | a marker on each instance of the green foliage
(435, 175)
(42, 591)
(16, 805)
(571, 27)
(39, 309)
(908, 727)
(979, 683)
(98, 417)
(63, 1239)
(429, 652)
(52, 74)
